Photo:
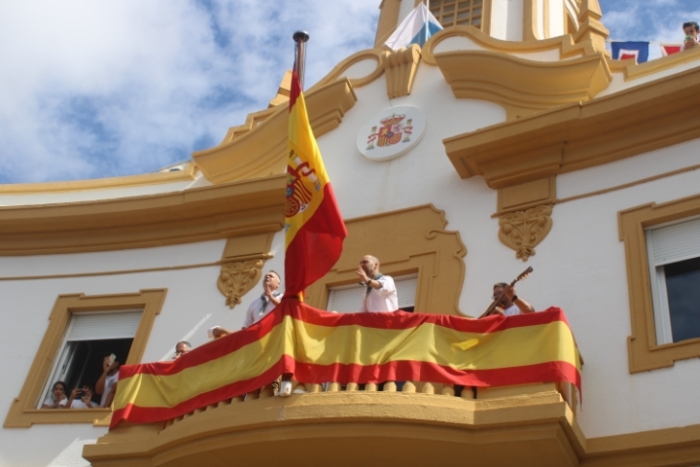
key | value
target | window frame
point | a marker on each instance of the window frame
(413, 241)
(644, 353)
(23, 412)
(485, 16)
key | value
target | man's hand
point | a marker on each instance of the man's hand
(105, 365)
(361, 272)
(509, 292)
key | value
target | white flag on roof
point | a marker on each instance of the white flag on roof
(418, 26)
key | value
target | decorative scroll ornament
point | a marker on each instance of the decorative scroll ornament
(524, 230)
(237, 278)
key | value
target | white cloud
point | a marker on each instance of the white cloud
(92, 89)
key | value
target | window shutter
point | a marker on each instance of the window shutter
(674, 243)
(100, 326)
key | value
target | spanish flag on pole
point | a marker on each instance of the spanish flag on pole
(314, 226)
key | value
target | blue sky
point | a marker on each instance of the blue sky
(97, 89)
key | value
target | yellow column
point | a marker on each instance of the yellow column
(388, 20)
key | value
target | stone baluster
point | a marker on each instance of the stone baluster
(409, 387)
(333, 387)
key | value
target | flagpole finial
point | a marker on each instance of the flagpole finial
(300, 37)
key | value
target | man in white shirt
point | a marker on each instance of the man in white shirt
(509, 303)
(266, 302)
(380, 293)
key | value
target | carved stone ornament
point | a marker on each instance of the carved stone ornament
(237, 278)
(524, 230)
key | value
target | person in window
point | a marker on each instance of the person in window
(691, 35)
(267, 302)
(109, 377)
(80, 398)
(380, 293)
(509, 302)
(181, 348)
(58, 398)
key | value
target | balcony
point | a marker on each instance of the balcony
(424, 424)
(351, 424)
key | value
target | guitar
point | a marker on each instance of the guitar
(497, 300)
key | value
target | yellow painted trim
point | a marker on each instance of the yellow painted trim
(110, 273)
(342, 67)
(633, 71)
(186, 175)
(643, 352)
(388, 20)
(23, 412)
(631, 122)
(486, 12)
(400, 67)
(382, 427)
(199, 214)
(565, 44)
(413, 240)
(529, 20)
(261, 152)
(523, 87)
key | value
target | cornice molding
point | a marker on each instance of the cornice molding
(523, 87)
(565, 44)
(578, 136)
(200, 214)
(261, 151)
(633, 70)
(188, 174)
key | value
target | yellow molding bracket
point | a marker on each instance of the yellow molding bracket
(400, 67)
(522, 231)
(523, 87)
(243, 260)
(261, 151)
(577, 136)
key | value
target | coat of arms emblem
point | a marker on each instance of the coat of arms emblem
(393, 130)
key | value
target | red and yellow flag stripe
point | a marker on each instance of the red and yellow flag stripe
(317, 347)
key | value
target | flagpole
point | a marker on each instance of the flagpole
(300, 37)
(427, 21)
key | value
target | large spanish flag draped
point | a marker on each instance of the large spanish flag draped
(314, 226)
(318, 346)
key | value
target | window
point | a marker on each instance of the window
(89, 338)
(663, 273)
(79, 329)
(410, 241)
(348, 298)
(457, 12)
(674, 270)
